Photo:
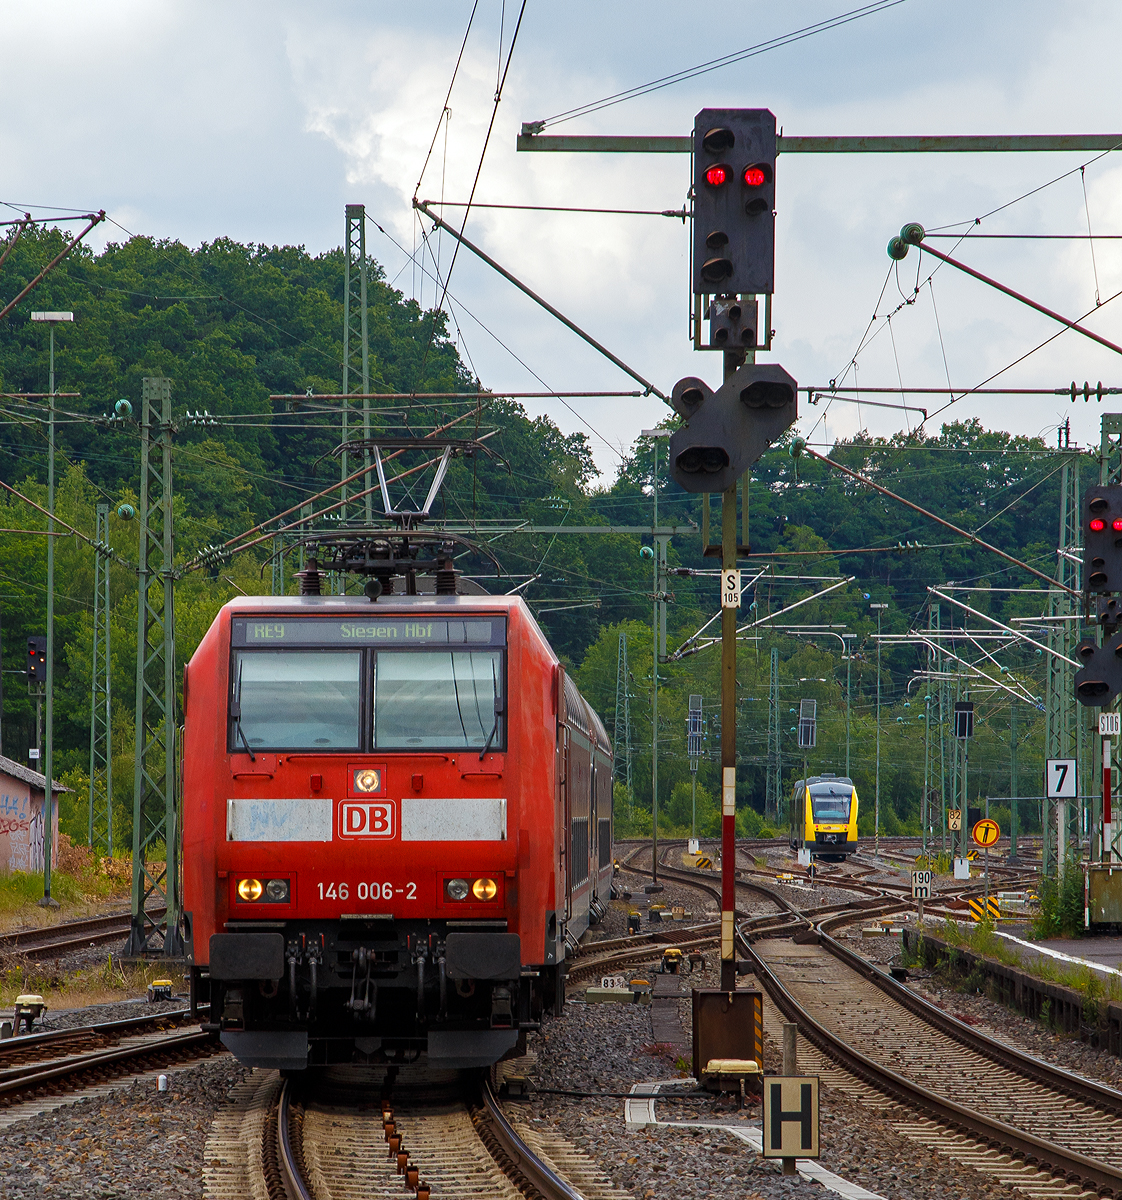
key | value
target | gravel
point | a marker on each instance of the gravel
(1006, 1025)
(95, 1014)
(134, 1141)
(609, 1047)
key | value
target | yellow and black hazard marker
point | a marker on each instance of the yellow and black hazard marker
(972, 855)
(704, 862)
(982, 910)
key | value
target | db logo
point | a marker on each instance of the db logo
(367, 819)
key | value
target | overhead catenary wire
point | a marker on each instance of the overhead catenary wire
(775, 43)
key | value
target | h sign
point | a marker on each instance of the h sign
(366, 819)
(791, 1116)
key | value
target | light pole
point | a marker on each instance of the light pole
(655, 435)
(876, 812)
(51, 319)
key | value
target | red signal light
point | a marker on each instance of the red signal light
(1097, 524)
(1116, 524)
(717, 175)
(755, 176)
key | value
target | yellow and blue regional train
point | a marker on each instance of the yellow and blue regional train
(824, 817)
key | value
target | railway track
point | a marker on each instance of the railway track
(54, 941)
(37, 1080)
(61, 1043)
(431, 1134)
(1021, 1118)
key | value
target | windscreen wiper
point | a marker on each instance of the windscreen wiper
(236, 714)
(494, 728)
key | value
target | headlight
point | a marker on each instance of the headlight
(368, 780)
(250, 889)
(485, 889)
(456, 889)
(277, 890)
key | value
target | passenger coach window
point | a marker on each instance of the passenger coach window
(304, 700)
(446, 700)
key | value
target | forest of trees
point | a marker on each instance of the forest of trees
(231, 324)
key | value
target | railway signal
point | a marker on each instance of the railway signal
(37, 659)
(1099, 680)
(734, 153)
(1102, 539)
(727, 430)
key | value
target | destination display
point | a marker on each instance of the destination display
(352, 631)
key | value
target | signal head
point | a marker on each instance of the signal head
(688, 395)
(718, 140)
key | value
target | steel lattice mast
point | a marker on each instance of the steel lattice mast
(356, 344)
(101, 714)
(155, 825)
(774, 798)
(1061, 730)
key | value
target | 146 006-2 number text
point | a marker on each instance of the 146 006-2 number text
(366, 891)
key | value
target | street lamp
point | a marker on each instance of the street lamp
(655, 435)
(876, 814)
(51, 319)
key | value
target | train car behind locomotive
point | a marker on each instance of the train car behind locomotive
(396, 817)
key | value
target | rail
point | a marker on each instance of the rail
(1018, 1143)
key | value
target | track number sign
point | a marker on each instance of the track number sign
(985, 832)
(954, 818)
(730, 589)
(1059, 779)
(921, 885)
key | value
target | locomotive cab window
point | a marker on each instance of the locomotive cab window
(350, 684)
(302, 700)
(441, 699)
(830, 803)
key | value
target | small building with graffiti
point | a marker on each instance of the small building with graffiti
(21, 817)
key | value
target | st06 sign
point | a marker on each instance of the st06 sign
(367, 819)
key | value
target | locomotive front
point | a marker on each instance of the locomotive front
(370, 836)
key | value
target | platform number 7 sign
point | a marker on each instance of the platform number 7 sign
(1059, 779)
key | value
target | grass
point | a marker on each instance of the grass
(941, 863)
(82, 884)
(103, 984)
(1096, 987)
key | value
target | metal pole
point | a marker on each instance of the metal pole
(732, 362)
(876, 815)
(790, 1067)
(987, 853)
(1108, 839)
(101, 716)
(1014, 787)
(48, 739)
(654, 677)
(848, 678)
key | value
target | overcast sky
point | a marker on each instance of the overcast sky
(259, 121)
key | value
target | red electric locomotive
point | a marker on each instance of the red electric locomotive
(396, 815)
